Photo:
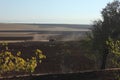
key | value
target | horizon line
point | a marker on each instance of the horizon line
(43, 23)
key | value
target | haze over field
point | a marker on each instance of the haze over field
(42, 32)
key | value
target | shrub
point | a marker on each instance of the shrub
(10, 62)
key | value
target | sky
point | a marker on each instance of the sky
(51, 11)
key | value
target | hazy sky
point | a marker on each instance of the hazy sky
(51, 11)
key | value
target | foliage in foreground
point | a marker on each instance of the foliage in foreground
(10, 62)
(114, 52)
